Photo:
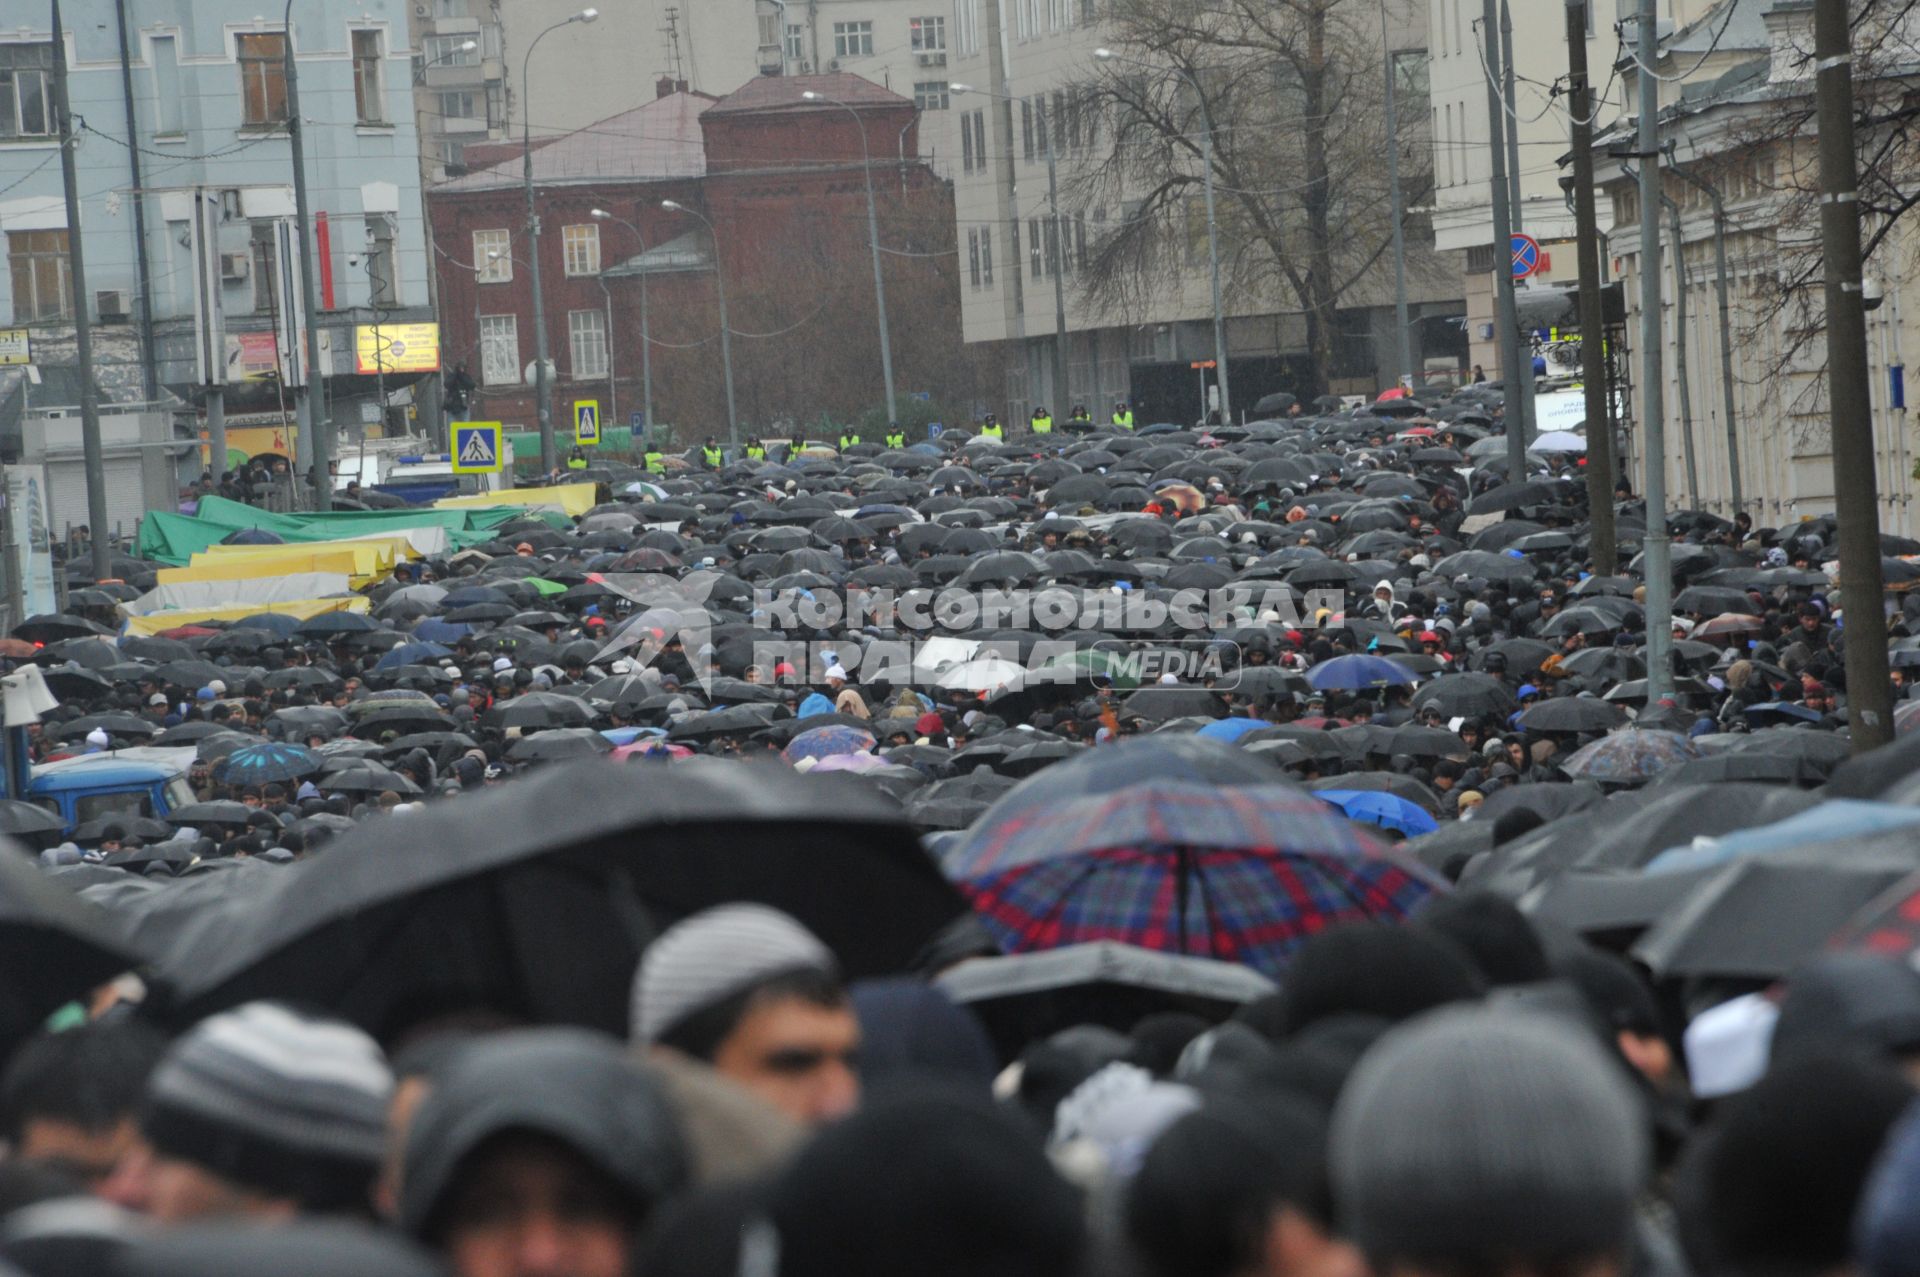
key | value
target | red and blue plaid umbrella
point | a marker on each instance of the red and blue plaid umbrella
(1242, 874)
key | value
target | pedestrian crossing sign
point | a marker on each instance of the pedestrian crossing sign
(586, 422)
(477, 447)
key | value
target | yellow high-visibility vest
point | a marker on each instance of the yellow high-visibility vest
(756, 452)
(897, 439)
(713, 457)
(991, 430)
(656, 461)
(1043, 424)
(1124, 419)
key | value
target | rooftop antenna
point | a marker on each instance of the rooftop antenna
(672, 32)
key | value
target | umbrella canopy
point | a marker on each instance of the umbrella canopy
(823, 742)
(1025, 997)
(1630, 757)
(1372, 807)
(1239, 873)
(1359, 672)
(534, 899)
(270, 761)
(1572, 714)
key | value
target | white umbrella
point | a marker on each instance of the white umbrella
(982, 675)
(1558, 441)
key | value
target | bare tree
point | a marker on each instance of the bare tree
(1292, 94)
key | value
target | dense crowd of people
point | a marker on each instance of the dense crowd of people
(1251, 850)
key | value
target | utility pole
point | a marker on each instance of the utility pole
(1516, 207)
(1656, 548)
(1726, 327)
(96, 470)
(1681, 378)
(1593, 365)
(1060, 395)
(1403, 340)
(312, 392)
(150, 366)
(1856, 501)
(1514, 371)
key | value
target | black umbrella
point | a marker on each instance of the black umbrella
(565, 742)
(1024, 998)
(212, 813)
(55, 626)
(54, 947)
(1572, 714)
(362, 776)
(1466, 696)
(24, 819)
(538, 710)
(528, 898)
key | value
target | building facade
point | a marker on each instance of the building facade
(209, 110)
(1029, 65)
(771, 189)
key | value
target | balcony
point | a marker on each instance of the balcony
(446, 76)
(456, 26)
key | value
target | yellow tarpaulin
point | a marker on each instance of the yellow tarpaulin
(358, 570)
(305, 609)
(572, 499)
(375, 554)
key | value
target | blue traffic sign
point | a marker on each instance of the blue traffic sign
(933, 429)
(477, 447)
(637, 420)
(1526, 254)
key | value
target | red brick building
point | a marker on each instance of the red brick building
(783, 182)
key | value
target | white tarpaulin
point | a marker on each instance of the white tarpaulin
(199, 595)
(428, 541)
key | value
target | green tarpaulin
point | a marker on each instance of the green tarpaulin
(175, 538)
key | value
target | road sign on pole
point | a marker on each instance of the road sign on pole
(478, 447)
(586, 422)
(1526, 255)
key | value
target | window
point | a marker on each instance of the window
(500, 350)
(966, 143)
(796, 42)
(966, 19)
(459, 104)
(927, 35)
(930, 95)
(26, 90)
(496, 105)
(770, 30)
(369, 101)
(263, 78)
(986, 256)
(853, 39)
(449, 8)
(445, 51)
(1026, 129)
(980, 137)
(973, 258)
(1059, 15)
(1410, 81)
(582, 248)
(1072, 116)
(1089, 12)
(1080, 241)
(1019, 298)
(587, 343)
(265, 276)
(1053, 247)
(1059, 121)
(488, 268)
(1036, 260)
(1040, 121)
(451, 154)
(166, 87)
(42, 288)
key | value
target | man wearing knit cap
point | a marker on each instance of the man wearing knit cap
(750, 991)
(260, 1112)
(1488, 1142)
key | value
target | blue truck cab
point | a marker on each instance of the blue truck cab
(92, 786)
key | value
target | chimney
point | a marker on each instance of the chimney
(667, 86)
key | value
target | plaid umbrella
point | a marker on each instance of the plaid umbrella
(1631, 756)
(270, 761)
(1242, 874)
(823, 742)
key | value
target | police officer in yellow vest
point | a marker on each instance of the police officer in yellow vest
(711, 455)
(654, 459)
(896, 437)
(576, 460)
(756, 451)
(848, 438)
(1123, 416)
(1042, 423)
(990, 428)
(1079, 416)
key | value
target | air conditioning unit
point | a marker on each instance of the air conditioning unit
(833, 65)
(111, 304)
(420, 11)
(235, 267)
(934, 59)
(806, 68)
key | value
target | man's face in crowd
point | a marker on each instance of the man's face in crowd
(88, 1156)
(527, 1205)
(172, 1191)
(800, 1057)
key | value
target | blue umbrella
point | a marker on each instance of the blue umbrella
(1231, 729)
(435, 630)
(1389, 811)
(270, 761)
(1358, 673)
(411, 654)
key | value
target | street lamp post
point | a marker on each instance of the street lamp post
(646, 340)
(1060, 265)
(542, 382)
(312, 392)
(1213, 231)
(726, 343)
(873, 242)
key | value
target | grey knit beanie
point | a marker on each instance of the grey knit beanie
(704, 960)
(1476, 1134)
(277, 1101)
